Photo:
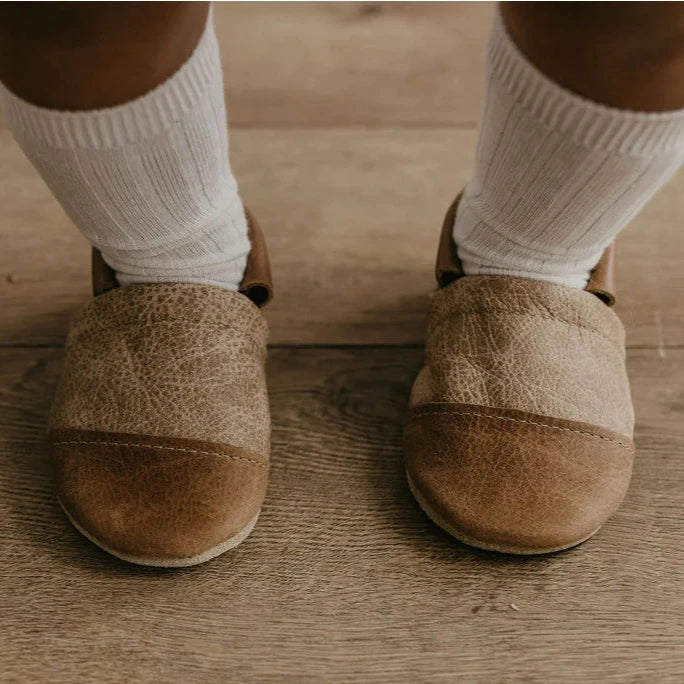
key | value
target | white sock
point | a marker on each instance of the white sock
(556, 176)
(148, 182)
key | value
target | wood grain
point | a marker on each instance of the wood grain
(344, 578)
(352, 219)
(352, 129)
(353, 63)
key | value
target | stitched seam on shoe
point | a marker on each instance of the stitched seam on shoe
(504, 312)
(528, 422)
(160, 446)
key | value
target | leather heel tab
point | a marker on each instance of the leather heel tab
(257, 282)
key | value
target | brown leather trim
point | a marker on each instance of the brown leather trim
(103, 276)
(602, 279)
(257, 283)
(510, 417)
(448, 266)
(512, 479)
(156, 497)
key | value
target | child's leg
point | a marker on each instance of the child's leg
(520, 432)
(160, 427)
(582, 124)
(120, 107)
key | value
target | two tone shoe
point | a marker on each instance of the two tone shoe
(519, 433)
(160, 427)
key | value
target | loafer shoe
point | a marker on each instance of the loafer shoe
(519, 433)
(160, 428)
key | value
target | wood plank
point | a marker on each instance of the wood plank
(344, 578)
(342, 63)
(352, 219)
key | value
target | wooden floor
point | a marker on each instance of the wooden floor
(353, 125)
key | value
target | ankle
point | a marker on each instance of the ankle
(493, 252)
(214, 255)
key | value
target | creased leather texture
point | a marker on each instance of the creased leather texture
(527, 345)
(512, 479)
(171, 360)
(160, 426)
(194, 494)
(519, 431)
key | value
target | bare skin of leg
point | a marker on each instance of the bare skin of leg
(89, 55)
(628, 55)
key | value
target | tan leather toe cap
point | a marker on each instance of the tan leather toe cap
(157, 501)
(513, 481)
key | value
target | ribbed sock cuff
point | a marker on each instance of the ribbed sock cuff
(594, 125)
(140, 119)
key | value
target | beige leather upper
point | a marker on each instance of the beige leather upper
(519, 434)
(518, 343)
(168, 360)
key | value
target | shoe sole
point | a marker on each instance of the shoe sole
(480, 544)
(169, 562)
